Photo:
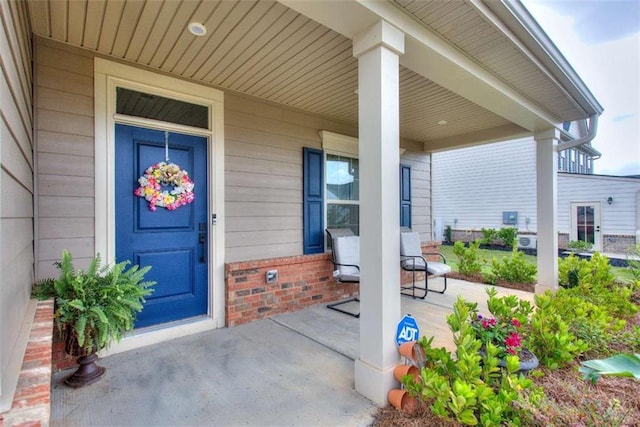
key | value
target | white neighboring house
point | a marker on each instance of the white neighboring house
(494, 186)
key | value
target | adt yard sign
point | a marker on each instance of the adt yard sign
(408, 330)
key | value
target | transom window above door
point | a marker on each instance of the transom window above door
(156, 107)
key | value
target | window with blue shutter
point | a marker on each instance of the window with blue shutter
(313, 200)
(405, 196)
(344, 214)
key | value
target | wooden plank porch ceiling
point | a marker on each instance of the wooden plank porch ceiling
(264, 49)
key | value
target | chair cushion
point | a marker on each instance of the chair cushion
(410, 244)
(413, 263)
(433, 268)
(438, 268)
(347, 251)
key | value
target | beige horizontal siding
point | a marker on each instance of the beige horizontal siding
(64, 143)
(420, 192)
(263, 164)
(16, 201)
(59, 207)
(53, 250)
(16, 190)
(69, 227)
(65, 153)
(65, 164)
(64, 185)
(253, 194)
(263, 185)
(64, 122)
(14, 160)
(249, 179)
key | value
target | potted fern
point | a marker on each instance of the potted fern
(94, 307)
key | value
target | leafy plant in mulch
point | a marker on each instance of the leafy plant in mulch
(469, 387)
(513, 269)
(596, 318)
(509, 236)
(470, 258)
(579, 245)
(633, 263)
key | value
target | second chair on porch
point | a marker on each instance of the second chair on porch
(346, 260)
(412, 259)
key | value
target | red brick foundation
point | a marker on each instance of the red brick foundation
(61, 360)
(31, 402)
(303, 281)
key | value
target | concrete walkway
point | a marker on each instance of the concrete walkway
(294, 369)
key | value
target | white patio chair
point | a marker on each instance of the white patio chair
(346, 260)
(413, 259)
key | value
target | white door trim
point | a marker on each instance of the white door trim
(107, 76)
(597, 222)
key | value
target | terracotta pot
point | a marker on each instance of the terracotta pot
(413, 351)
(407, 350)
(401, 370)
(402, 400)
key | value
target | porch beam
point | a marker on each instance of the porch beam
(485, 136)
(431, 56)
(547, 209)
(378, 49)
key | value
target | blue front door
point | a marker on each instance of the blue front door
(173, 242)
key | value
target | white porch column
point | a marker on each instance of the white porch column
(377, 49)
(547, 207)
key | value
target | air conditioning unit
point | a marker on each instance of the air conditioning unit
(526, 241)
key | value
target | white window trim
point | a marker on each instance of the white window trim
(342, 145)
(339, 145)
(107, 76)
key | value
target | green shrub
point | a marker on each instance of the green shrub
(569, 271)
(573, 271)
(593, 280)
(509, 307)
(508, 235)
(590, 316)
(549, 336)
(489, 235)
(447, 234)
(634, 264)
(579, 245)
(469, 259)
(471, 388)
(514, 269)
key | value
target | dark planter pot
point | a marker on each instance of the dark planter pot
(88, 372)
(528, 360)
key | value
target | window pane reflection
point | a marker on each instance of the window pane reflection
(342, 178)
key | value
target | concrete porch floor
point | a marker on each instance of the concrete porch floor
(294, 369)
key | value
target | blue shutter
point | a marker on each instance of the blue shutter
(313, 209)
(405, 196)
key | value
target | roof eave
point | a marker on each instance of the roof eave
(542, 46)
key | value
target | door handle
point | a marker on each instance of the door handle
(598, 228)
(202, 240)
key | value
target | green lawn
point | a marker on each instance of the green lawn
(621, 273)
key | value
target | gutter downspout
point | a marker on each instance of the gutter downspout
(591, 134)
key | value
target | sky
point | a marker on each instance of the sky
(601, 41)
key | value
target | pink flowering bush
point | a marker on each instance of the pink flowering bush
(506, 327)
(503, 333)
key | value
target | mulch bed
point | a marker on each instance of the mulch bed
(570, 400)
(477, 278)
